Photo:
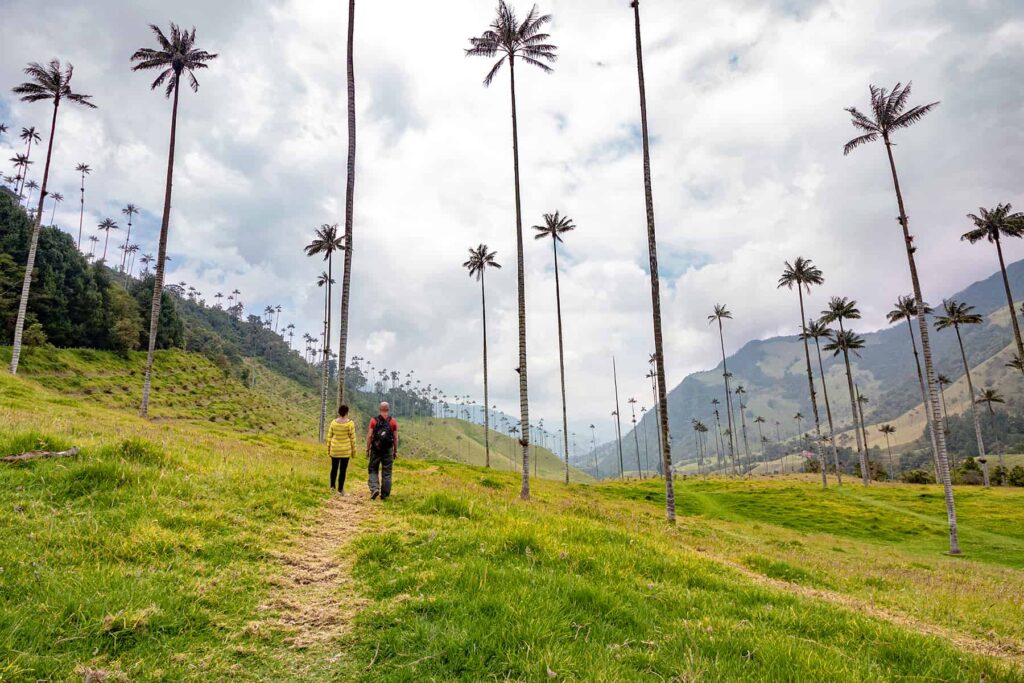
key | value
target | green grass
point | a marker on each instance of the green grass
(150, 554)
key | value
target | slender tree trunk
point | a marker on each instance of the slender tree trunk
(718, 440)
(743, 426)
(970, 395)
(30, 264)
(158, 283)
(892, 469)
(929, 367)
(728, 399)
(561, 359)
(924, 400)
(81, 212)
(652, 248)
(636, 440)
(618, 419)
(828, 413)
(863, 426)
(1009, 301)
(853, 416)
(487, 417)
(657, 419)
(127, 239)
(350, 192)
(325, 375)
(24, 172)
(524, 403)
(810, 382)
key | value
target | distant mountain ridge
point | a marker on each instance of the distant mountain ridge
(773, 372)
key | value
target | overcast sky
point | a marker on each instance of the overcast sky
(746, 103)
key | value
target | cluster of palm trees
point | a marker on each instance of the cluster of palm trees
(513, 41)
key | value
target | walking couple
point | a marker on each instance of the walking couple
(381, 449)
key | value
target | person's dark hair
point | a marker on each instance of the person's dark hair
(342, 410)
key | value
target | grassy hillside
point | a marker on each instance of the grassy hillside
(186, 550)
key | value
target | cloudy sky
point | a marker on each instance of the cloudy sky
(746, 103)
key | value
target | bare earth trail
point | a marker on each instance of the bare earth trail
(314, 599)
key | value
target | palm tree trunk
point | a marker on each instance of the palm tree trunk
(524, 403)
(657, 419)
(970, 394)
(1009, 300)
(561, 359)
(892, 469)
(728, 399)
(487, 417)
(863, 425)
(350, 191)
(618, 418)
(743, 426)
(158, 283)
(924, 401)
(853, 415)
(652, 248)
(127, 239)
(810, 382)
(30, 264)
(828, 413)
(81, 212)
(929, 367)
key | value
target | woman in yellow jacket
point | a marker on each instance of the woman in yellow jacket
(341, 446)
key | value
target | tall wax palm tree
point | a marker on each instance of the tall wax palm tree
(741, 392)
(50, 83)
(28, 136)
(652, 251)
(841, 309)
(350, 191)
(106, 226)
(862, 400)
(652, 359)
(844, 342)
(803, 275)
(718, 431)
(886, 430)
(94, 239)
(636, 439)
(721, 313)
(817, 330)
(988, 397)
(555, 225)
(889, 114)
(325, 242)
(647, 455)
(129, 211)
(944, 382)
(32, 187)
(84, 170)
(799, 417)
(760, 433)
(21, 163)
(618, 417)
(956, 315)
(510, 38)
(993, 225)
(176, 56)
(145, 261)
(906, 309)
(57, 198)
(480, 259)
(325, 281)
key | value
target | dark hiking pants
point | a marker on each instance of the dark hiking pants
(381, 464)
(339, 466)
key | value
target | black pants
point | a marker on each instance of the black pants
(338, 468)
(382, 464)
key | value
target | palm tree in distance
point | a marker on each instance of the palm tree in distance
(636, 439)
(906, 309)
(988, 397)
(480, 259)
(21, 163)
(844, 342)
(718, 430)
(94, 239)
(510, 38)
(760, 434)
(50, 83)
(862, 400)
(57, 198)
(652, 251)
(741, 392)
(84, 170)
(943, 383)
(886, 430)
(817, 330)
(803, 275)
(177, 56)
(956, 315)
(32, 187)
(325, 242)
(722, 313)
(350, 190)
(890, 114)
(28, 136)
(106, 226)
(992, 225)
(555, 225)
(129, 210)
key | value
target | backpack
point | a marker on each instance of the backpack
(383, 438)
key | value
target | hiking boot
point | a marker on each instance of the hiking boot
(374, 495)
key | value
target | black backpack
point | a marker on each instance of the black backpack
(383, 438)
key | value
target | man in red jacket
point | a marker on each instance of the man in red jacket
(382, 449)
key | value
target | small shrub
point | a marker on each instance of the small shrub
(917, 476)
(1016, 477)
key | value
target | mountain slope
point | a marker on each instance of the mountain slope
(773, 373)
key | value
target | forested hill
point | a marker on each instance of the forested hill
(773, 372)
(80, 303)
